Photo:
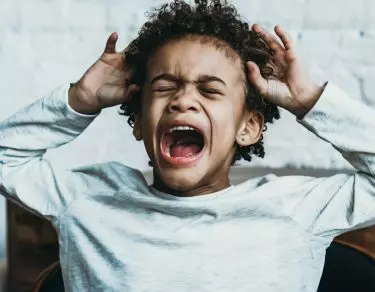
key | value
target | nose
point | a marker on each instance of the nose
(185, 101)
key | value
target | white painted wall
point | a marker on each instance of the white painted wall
(45, 43)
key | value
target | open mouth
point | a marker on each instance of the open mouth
(182, 144)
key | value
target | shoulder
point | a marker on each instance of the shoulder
(112, 174)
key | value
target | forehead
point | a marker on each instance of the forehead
(191, 57)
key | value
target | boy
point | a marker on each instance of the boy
(192, 84)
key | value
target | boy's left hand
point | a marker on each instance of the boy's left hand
(294, 91)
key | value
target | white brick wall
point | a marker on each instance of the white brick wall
(44, 43)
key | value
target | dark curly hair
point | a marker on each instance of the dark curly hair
(216, 19)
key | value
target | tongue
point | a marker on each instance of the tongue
(184, 150)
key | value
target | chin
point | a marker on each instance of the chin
(182, 180)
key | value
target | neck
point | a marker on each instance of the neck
(205, 189)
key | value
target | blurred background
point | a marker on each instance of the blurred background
(46, 43)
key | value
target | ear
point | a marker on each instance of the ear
(250, 129)
(137, 128)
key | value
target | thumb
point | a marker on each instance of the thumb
(110, 46)
(256, 79)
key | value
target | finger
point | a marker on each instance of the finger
(133, 88)
(130, 91)
(270, 40)
(256, 79)
(288, 45)
(110, 46)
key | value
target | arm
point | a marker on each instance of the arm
(25, 176)
(324, 206)
(342, 202)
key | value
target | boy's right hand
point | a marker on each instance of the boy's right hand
(104, 84)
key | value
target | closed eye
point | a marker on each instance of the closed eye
(210, 91)
(164, 89)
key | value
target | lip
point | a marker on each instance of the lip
(181, 161)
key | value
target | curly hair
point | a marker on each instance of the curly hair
(216, 19)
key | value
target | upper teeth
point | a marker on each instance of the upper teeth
(179, 128)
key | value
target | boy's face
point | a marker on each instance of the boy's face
(193, 115)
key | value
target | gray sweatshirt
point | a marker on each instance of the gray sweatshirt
(116, 233)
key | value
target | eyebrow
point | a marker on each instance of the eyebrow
(201, 79)
(209, 78)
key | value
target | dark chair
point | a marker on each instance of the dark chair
(347, 270)
(50, 280)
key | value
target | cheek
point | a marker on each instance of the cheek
(150, 111)
(151, 114)
(224, 124)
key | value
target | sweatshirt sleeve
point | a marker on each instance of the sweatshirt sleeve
(333, 205)
(25, 176)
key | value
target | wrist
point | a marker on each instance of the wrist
(81, 102)
(306, 102)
